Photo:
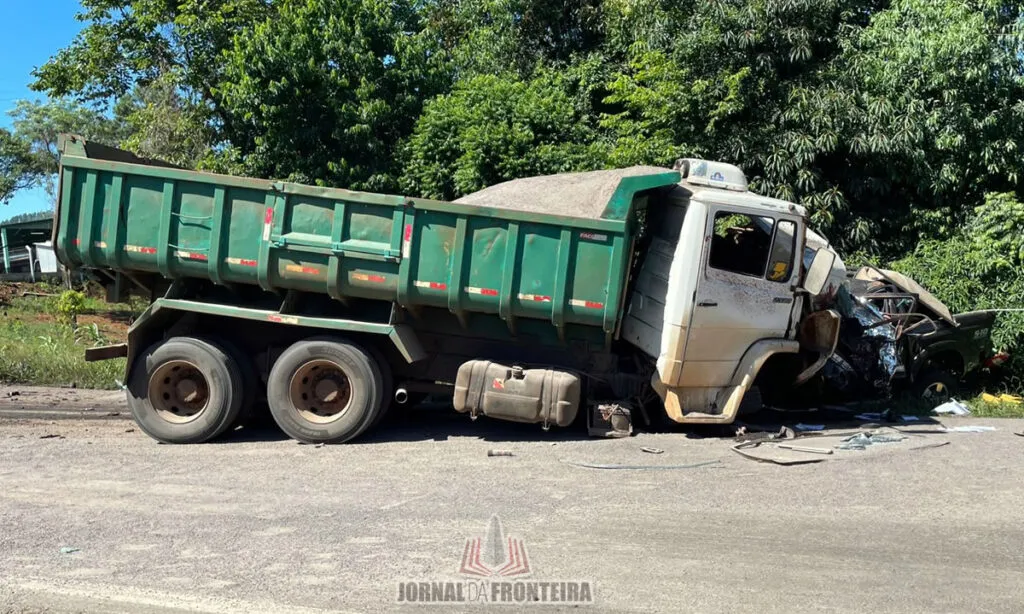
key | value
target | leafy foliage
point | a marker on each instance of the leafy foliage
(162, 122)
(495, 128)
(325, 91)
(980, 268)
(69, 306)
(28, 153)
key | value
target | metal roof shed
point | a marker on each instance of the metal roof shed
(17, 235)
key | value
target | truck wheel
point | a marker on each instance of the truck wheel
(936, 385)
(185, 390)
(250, 381)
(325, 391)
(387, 386)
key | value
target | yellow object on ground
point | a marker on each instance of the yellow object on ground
(1003, 398)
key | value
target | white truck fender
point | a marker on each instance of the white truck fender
(729, 397)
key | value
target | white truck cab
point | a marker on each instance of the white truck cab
(722, 290)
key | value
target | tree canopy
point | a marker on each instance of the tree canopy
(891, 120)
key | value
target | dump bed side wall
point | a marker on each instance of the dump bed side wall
(233, 230)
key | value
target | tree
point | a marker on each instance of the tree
(163, 122)
(18, 169)
(29, 155)
(487, 37)
(327, 90)
(127, 43)
(888, 120)
(494, 128)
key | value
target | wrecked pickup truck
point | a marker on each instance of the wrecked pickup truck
(933, 349)
(895, 337)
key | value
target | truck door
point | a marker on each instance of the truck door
(744, 290)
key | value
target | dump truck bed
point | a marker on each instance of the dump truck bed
(117, 212)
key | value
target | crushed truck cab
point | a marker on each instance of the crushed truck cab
(607, 291)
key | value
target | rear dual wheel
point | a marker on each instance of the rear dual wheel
(325, 390)
(185, 390)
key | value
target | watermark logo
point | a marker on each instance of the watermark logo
(495, 555)
(495, 569)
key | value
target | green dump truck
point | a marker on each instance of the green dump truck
(666, 290)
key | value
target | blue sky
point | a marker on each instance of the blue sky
(34, 30)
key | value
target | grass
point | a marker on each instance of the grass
(984, 409)
(36, 350)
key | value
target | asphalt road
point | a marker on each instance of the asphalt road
(259, 523)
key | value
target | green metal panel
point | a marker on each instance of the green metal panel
(468, 259)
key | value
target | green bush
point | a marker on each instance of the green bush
(982, 267)
(70, 305)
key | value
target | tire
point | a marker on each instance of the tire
(388, 386)
(751, 403)
(325, 390)
(250, 381)
(168, 373)
(936, 385)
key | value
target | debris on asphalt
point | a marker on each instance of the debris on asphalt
(953, 407)
(810, 450)
(112, 413)
(51, 436)
(610, 420)
(586, 465)
(871, 416)
(652, 450)
(69, 550)
(129, 430)
(803, 427)
(13, 393)
(1020, 434)
(743, 448)
(910, 418)
(500, 453)
(968, 429)
(744, 433)
(861, 441)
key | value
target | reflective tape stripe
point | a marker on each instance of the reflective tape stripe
(407, 241)
(430, 285)
(593, 236)
(306, 270)
(240, 261)
(190, 255)
(588, 304)
(283, 319)
(100, 244)
(377, 279)
(540, 298)
(139, 249)
(268, 222)
(482, 291)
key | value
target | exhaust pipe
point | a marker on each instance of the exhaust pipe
(401, 396)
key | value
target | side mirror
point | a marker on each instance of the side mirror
(817, 274)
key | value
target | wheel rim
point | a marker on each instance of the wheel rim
(178, 391)
(320, 391)
(936, 390)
